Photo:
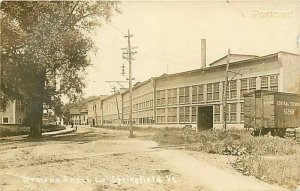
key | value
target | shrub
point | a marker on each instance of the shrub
(229, 143)
(279, 170)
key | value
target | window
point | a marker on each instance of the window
(181, 114)
(181, 95)
(161, 99)
(5, 120)
(184, 95)
(184, 115)
(232, 112)
(172, 96)
(200, 93)
(187, 94)
(242, 112)
(161, 116)
(244, 87)
(151, 99)
(209, 92)
(216, 93)
(233, 89)
(252, 84)
(172, 115)
(264, 85)
(274, 83)
(20, 120)
(194, 114)
(194, 94)
(217, 114)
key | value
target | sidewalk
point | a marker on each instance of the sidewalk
(65, 131)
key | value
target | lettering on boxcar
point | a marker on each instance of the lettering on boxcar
(289, 111)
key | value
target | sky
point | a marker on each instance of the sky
(168, 36)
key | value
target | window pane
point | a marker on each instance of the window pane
(264, 82)
(200, 89)
(252, 83)
(216, 91)
(217, 115)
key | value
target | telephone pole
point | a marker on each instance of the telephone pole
(114, 88)
(129, 58)
(225, 93)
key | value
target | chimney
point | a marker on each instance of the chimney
(203, 53)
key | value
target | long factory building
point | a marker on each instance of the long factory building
(194, 98)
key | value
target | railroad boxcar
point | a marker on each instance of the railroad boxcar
(271, 112)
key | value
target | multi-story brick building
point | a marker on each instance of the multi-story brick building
(195, 97)
(14, 112)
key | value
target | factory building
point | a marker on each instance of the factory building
(94, 111)
(195, 97)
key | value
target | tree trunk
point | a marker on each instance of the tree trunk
(36, 108)
(36, 118)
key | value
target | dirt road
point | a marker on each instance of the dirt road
(100, 159)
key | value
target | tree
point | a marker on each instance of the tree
(44, 51)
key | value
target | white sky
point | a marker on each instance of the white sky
(168, 36)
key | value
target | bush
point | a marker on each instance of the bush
(229, 143)
(13, 130)
(279, 170)
(256, 154)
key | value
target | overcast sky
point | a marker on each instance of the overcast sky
(168, 36)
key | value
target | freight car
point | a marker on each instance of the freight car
(271, 112)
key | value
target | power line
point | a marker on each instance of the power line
(116, 28)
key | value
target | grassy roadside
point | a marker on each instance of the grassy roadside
(271, 159)
(14, 130)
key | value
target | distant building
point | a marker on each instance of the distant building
(77, 117)
(85, 111)
(49, 117)
(13, 113)
(94, 110)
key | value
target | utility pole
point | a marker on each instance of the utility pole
(116, 93)
(225, 93)
(129, 53)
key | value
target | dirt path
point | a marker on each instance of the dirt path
(100, 159)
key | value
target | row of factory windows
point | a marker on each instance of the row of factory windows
(188, 114)
(142, 102)
(213, 93)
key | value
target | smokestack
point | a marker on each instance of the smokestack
(203, 53)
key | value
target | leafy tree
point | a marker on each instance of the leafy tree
(44, 49)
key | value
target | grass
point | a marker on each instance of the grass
(14, 130)
(283, 171)
(231, 143)
(126, 128)
(271, 159)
